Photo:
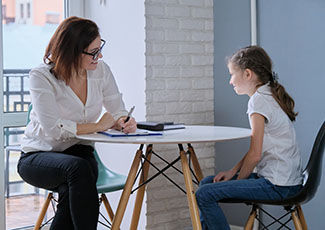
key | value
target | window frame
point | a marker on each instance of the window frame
(71, 7)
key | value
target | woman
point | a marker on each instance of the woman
(273, 149)
(68, 92)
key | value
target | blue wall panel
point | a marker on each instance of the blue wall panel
(293, 33)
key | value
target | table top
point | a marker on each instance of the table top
(191, 134)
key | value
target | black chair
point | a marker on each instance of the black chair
(292, 205)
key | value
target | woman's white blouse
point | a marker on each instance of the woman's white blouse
(57, 109)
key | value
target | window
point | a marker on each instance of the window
(27, 19)
(20, 55)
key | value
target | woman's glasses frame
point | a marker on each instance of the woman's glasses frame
(96, 53)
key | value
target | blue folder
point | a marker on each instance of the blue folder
(116, 133)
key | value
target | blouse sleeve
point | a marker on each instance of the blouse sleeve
(112, 98)
(46, 110)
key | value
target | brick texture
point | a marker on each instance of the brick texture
(179, 88)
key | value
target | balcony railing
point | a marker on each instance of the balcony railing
(16, 92)
(16, 99)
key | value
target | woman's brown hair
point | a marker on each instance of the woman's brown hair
(256, 59)
(64, 50)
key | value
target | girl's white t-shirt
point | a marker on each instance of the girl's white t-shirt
(281, 161)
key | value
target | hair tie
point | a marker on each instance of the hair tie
(275, 77)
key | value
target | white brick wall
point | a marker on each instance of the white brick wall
(179, 88)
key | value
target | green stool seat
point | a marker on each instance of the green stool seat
(108, 181)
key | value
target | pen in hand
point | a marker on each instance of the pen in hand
(129, 114)
(128, 117)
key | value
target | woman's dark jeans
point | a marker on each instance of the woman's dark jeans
(73, 174)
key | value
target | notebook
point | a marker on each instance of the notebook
(116, 133)
(159, 126)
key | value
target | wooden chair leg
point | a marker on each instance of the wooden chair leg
(250, 222)
(302, 217)
(43, 211)
(296, 220)
(107, 206)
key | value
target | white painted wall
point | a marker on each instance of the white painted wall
(122, 25)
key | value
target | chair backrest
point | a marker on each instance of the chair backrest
(108, 181)
(313, 171)
(28, 113)
(101, 166)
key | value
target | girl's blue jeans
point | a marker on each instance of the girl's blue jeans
(256, 188)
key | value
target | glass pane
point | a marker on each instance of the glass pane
(23, 201)
(27, 28)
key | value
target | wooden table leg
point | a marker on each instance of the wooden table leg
(195, 162)
(141, 190)
(126, 191)
(195, 217)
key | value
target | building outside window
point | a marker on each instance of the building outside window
(28, 10)
(22, 11)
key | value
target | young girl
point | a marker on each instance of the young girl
(273, 149)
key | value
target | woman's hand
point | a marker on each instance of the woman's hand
(223, 176)
(105, 122)
(127, 127)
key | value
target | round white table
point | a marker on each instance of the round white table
(189, 135)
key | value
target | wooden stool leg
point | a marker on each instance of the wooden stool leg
(195, 217)
(302, 218)
(196, 165)
(296, 220)
(126, 191)
(107, 206)
(250, 222)
(141, 190)
(43, 211)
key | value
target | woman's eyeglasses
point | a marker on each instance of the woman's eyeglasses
(97, 52)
